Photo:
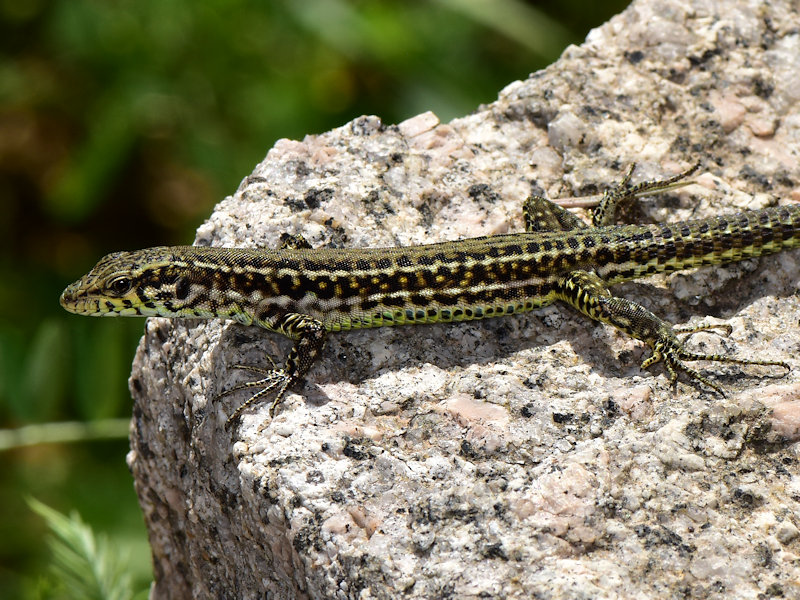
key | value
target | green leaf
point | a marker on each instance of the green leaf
(85, 567)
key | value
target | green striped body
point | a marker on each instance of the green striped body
(450, 281)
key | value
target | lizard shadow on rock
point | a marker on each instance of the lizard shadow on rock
(348, 356)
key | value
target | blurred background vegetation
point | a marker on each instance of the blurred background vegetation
(122, 123)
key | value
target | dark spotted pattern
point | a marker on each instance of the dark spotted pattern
(347, 288)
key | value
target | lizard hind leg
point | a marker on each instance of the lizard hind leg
(588, 293)
(625, 193)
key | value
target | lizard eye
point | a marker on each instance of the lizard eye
(119, 286)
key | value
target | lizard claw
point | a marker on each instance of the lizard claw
(273, 379)
(669, 350)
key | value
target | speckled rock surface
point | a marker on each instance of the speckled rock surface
(516, 457)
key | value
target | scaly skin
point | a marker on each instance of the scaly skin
(305, 293)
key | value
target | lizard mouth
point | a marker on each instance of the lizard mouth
(72, 299)
(76, 299)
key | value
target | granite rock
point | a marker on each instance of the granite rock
(516, 457)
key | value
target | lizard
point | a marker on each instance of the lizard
(306, 293)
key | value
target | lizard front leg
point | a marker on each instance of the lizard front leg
(308, 334)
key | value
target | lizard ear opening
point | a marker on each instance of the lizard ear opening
(182, 287)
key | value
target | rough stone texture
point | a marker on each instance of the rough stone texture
(516, 457)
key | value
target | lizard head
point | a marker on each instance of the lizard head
(148, 282)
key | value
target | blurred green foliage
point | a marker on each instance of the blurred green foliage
(84, 566)
(123, 122)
